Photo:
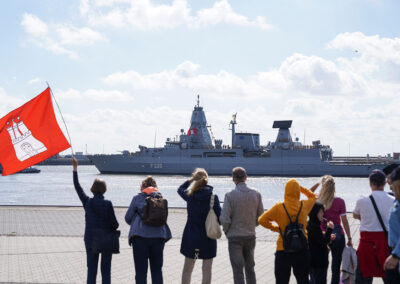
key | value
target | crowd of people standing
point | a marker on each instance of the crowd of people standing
(308, 230)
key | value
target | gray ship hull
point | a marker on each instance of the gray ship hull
(196, 149)
(183, 162)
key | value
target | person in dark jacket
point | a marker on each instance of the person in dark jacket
(318, 243)
(99, 213)
(195, 243)
(147, 241)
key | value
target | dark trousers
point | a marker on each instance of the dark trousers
(337, 247)
(241, 254)
(284, 262)
(145, 250)
(92, 264)
(318, 275)
(392, 276)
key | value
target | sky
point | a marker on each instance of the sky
(127, 72)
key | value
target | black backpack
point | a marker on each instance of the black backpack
(155, 210)
(294, 239)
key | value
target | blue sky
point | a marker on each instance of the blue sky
(123, 70)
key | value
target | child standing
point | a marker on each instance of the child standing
(318, 244)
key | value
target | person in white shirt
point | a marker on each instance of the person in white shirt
(373, 247)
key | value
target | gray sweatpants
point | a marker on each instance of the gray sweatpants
(241, 254)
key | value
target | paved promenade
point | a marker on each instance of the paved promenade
(45, 245)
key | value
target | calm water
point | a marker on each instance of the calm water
(53, 186)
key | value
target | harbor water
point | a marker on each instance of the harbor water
(53, 186)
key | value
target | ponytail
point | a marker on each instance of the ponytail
(200, 178)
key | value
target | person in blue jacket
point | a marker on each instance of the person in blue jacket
(392, 262)
(147, 241)
(195, 243)
(99, 213)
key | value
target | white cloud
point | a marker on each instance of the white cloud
(70, 35)
(122, 128)
(57, 38)
(222, 12)
(185, 76)
(34, 26)
(319, 76)
(34, 80)
(9, 103)
(297, 73)
(95, 95)
(368, 47)
(145, 15)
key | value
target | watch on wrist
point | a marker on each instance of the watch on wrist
(395, 256)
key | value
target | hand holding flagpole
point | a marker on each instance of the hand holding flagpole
(62, 117)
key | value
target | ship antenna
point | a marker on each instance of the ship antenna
(233, 122)
(155, 138)
(198, 100)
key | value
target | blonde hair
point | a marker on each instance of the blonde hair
(200, 178)
(327, 193)
(149, 181)
(396, 189)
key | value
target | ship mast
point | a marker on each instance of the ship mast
(233, 122)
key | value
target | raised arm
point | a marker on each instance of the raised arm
(79, 190)
(314, 187)
(309, 203)
(183, 189)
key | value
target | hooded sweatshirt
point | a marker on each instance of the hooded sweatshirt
(318, 240)
(278, 215)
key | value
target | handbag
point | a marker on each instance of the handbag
(104, 240)
(213, 228)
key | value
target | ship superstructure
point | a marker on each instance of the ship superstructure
(196, 148)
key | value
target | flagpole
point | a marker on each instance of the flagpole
(62, 117)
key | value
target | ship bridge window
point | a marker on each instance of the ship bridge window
(195, 156)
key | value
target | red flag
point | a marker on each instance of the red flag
(192, 131)
(30, 134)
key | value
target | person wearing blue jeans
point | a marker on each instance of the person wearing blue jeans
(147, 241)
(147, 250)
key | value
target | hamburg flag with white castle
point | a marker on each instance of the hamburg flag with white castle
(30, 134)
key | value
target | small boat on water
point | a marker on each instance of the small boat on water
(30, 170)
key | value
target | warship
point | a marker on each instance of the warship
(196, 148)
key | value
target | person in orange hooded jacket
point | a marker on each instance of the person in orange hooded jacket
(284, 261)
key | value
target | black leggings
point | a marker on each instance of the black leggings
(284, 262)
